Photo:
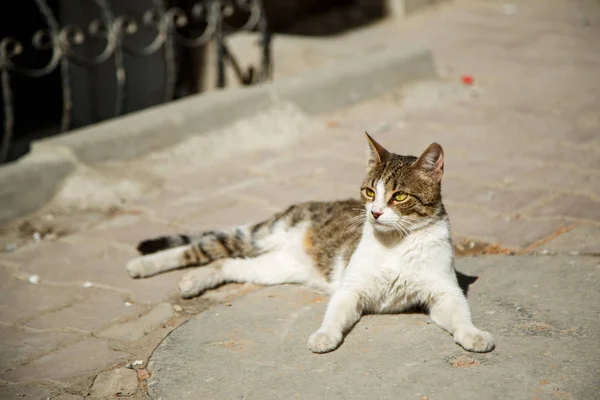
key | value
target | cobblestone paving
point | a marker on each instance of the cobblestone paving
(522, 167)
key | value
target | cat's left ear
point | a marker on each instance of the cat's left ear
(376, 154)
(431, 162)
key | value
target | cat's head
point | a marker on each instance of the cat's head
(402, 193)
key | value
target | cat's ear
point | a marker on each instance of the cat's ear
(431, 162)
(376, 154)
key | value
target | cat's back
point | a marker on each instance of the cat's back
(333, 230)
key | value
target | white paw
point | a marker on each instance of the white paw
(140, 267)
(323, 342)
(472, 339)
(197, 281)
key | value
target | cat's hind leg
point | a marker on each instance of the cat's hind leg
(272, 268)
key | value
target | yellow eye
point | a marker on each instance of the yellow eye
(370, 192)
(400, 196)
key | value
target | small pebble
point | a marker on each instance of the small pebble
(142, 374)
(228, 304)
(48, 217)
(51, 236)
(37, 237)
(87, 284)
(127, 304)
(34, 279)
(10, 247)
(177, 308)
(134, 364)
(384, 127)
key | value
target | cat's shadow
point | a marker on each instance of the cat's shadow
(464, 281)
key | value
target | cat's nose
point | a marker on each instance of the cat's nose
(376, 214)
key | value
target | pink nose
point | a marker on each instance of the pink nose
(376, 214)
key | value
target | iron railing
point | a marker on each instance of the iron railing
(64, 41)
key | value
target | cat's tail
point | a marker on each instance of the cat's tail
(160, 243)
(205, 247)
(240, 242)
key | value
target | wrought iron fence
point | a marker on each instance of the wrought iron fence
(64, 42)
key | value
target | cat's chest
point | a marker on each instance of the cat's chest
(390, 277)
(394, 282)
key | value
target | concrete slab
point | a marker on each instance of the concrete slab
(543, 312)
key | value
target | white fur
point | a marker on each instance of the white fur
(286, 262)
(388, 274)
(152, 264)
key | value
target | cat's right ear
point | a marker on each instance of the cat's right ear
(376, 154)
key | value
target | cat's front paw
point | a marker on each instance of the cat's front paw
(323, 342)
(475, 340)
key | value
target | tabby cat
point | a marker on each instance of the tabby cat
(385, 253)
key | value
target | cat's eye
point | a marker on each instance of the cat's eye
(370, 192)
(400, 196)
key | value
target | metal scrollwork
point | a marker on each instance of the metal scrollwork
(65, 44)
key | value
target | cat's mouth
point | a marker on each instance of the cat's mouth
(381, 225)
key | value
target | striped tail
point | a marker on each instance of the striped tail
(240, 242)
(155, 245)
(206, 247)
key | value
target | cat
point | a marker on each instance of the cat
(385, 253)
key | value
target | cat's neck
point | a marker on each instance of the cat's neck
(388, 238)
(393, 238)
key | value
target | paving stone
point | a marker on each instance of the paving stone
(512, 233)
(503, 201)
(571, 206)
(86, 356)
(177, 210)
(583, 239)
(219, 175)
(130, 230)
(239, 211)
(282, 195)
(32, 391)
(66, 262)
(17, 345)
(92, 313)
(135, 329)
(21, 300)
(57, 249)
(146, 291)
(119, 382)
(86, 259)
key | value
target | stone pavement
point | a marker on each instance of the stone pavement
(546, 346)
(522, 176)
